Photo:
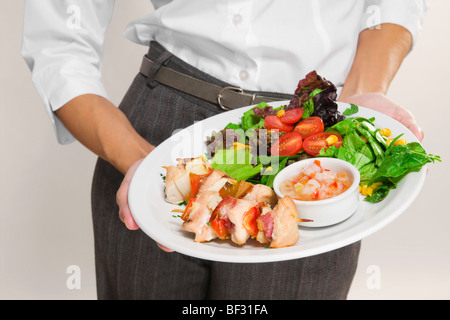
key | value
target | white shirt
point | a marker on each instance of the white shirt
(266, 45)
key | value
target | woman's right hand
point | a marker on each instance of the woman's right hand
(122, 201)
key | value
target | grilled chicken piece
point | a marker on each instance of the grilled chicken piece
(215, 181)
(237, 216)
(198, 214)
(279, 227)
(173, 193)
(285, 224)
(262, 194)
(183, 179)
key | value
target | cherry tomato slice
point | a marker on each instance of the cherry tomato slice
(313, 144)
(220, 227)
(292, 116)
(249, 221)
(274, 123)
(309, 126)
(288, 144)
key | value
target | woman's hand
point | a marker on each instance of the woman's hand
(122, 198)
(379, 55)
(122, 201)
(379, 102)
(102, 127)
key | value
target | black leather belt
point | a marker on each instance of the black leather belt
(226, 98)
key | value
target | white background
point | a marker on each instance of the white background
(45, 188)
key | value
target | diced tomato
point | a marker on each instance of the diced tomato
(288, 144)
(310, 126)
(249, 221)
(292, 116)
(187, 210)
(220, 227)
(219, 220)
(195, 180)
(313, 144)
(274, 123)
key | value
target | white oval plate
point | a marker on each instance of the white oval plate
(155, 217)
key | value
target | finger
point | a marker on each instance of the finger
(164, 248)
(122, 198)
(409, 121)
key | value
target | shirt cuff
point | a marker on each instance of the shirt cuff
(58, 88)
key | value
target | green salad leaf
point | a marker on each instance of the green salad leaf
(402, 159)
(351, 110)
(375, 160)
(308, 106)
(237, 163)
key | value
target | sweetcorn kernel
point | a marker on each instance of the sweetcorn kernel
(281, 113)
(331, 140)
(363, 190)
(400, 142)
(386, 132)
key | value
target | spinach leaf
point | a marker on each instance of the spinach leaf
(401, 160)
(367, 171)
(350, 111)
(379, 194)
(343, 127)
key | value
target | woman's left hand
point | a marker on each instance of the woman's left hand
(122, 201)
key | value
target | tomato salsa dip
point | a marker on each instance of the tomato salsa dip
(315, 183)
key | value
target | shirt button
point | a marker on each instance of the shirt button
(237, 19)
(243, 75)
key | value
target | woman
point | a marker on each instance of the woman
(263, 47)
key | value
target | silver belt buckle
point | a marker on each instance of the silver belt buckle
(219, 95)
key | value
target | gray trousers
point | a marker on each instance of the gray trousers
(129, 265)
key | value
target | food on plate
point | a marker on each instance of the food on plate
(309, 127)
(228, 194)
(381, 161)
(236, 219)
(225, 208)
(317, 97)
(320, 142)
(182, 180)
(287, 145)
(240, 220)
(215, 180)
(312, 126)
(315, 183)
(197, 215)
(278, 227)
(261, 194)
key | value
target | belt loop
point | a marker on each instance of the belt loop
(158, 61)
